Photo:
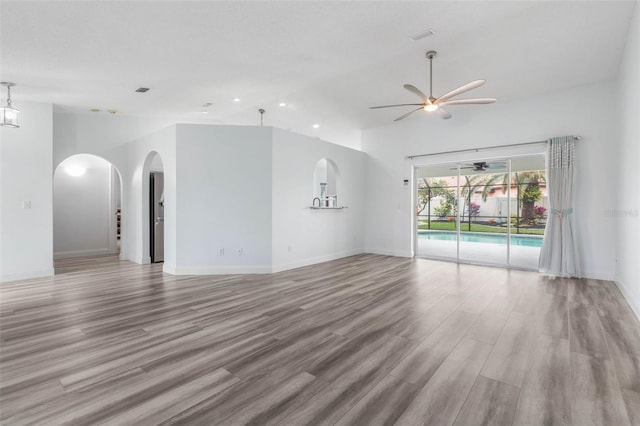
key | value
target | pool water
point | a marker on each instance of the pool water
(475, 237)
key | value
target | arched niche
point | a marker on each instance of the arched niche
(88, 208)
(152, 211)
(326, 183)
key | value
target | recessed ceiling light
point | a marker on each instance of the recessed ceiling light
(236, 99)
(142, 90)
(204, 112)
(113, 111)
(315, 126)
(283, 104)
(421, 34)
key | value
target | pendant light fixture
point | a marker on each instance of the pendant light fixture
(8, 114)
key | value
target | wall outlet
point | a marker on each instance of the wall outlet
(220, 252)
(239, 252)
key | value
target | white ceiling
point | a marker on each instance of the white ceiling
(329, 61)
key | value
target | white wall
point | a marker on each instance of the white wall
(26, 174)
(628, 177)
(221, 181)
(83, 208)
(99, 133)
(126, 142)
(136, 193)
(588, 111)
(302, 236)
(106, 137)
(224, 199)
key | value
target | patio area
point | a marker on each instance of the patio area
(476, 252)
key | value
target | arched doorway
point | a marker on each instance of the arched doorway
(326, 182)
(153, 215)
(87, 207)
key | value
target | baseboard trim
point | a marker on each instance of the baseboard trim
(625, 293)
(19, 276)
(598, 276)
(385, 252)
(82, 253)
(315, 260)
(216, 270)
(169, 269)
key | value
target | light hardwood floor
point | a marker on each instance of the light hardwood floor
(363, 340)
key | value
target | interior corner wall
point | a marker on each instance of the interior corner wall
(303, 236)
(224, 199)
(627, 208)
(100, 134)
(26, 175)
(569, 112)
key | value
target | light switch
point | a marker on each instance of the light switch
(26, 204)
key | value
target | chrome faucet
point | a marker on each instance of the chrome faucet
(313, 203)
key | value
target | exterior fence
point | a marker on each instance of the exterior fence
(483, 215)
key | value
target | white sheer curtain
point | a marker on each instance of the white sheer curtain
(559, 255)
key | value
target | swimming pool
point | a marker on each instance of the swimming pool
(478, 237)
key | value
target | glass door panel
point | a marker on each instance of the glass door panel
(483, 219)
(436, 211)
(529, 208)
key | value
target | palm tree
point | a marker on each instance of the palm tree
(527, 188)
(531, 193)
(486, 182)
(472, 185)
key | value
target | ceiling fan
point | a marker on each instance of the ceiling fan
(481, 166)
(431, 103)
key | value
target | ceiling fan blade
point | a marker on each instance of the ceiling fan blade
(444, 113)
(415, 90)
(390, 106)
(461, 89)
(468, 101)
(402, 117)
(496, 165)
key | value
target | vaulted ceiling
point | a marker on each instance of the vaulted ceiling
(328, 61)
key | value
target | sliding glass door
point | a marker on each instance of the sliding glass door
(436, 211)
(486, 211)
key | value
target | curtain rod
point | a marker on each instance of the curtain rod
(411, 157)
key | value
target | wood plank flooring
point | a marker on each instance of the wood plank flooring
(365, 340)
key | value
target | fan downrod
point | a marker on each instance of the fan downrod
(431, 54)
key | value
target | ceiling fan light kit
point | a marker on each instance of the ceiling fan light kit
(431, 103)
